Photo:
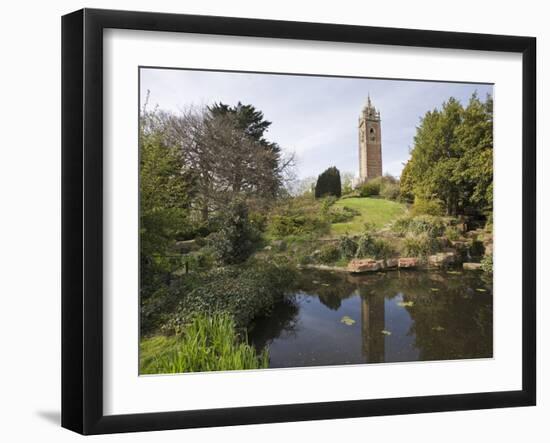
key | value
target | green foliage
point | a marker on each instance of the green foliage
(342, 214)
(370, 188)
(390, 191)
(206, 344)
(370, 246)
(165, 192)
(298, 216)
(420, 245)
(452, 157)
(424, 224)
(427, 206)
(236, 238)
(476, 248)
(452, 233)
(487, 264)
(243, 292)
(328, 253)
(386, 186)
(347, 246)
(329, 183)
(294, 224)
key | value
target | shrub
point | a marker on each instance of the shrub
(370, 188)
(487, 264)
(348, 247)
(295, 224)
(369, 246)
(390, 191)
(342, 214)
(235, 240)
(243, 292)
(299, 216)
(476, 248)
(428, 207)
(206, 344)
(328, 183)
(452, 233)
(420, 245)
(425, 224)
(328, 253)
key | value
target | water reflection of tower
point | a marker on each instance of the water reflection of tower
(372, 325)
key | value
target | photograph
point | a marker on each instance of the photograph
(291, 221)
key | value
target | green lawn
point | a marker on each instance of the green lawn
(377, 211)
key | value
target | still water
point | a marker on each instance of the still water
(335, 319)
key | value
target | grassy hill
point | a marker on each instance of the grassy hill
(373, 210)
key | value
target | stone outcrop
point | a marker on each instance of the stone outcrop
(442, 259)
(408, 262)
(471, 266)
(364, 265)
(392, 262)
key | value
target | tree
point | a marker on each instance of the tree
(235, 240)
(329, 183)
(451, 160)
(226, 148)
(166, 190)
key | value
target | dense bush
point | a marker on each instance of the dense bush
(476, 248)
(452, 233)
(243, 292)
(372, 247)
(236, 238)
(370, 188)
(420, 245)
(328, 183)
(347, 246)
(425, 224)
(299, 216)
(295, 224)
(390, 191)
(208, 343)
(328, 253)
(342, 214)
(427, 207)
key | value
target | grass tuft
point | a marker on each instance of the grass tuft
(207, 344)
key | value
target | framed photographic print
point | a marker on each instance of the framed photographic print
(269, 221)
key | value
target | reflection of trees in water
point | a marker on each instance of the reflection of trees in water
(282, 318)
(331, 288)
(445, 326)
(450, 317)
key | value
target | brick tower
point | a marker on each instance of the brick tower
(370, 143)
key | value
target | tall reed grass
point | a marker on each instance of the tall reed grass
(209, 343)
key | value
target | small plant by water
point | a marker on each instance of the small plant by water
(207, 344)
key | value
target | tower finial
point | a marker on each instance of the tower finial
(368, 100)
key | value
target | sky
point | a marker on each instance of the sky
(314, 117)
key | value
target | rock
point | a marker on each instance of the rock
(392, 262)
(280, 245)
(363, 265)
(381, 263)
(471, 266)
(267, 248)
(442, 259)
(408, 262)
(185, 246)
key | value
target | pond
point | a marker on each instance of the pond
(397, 316)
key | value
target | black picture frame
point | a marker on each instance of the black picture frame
(82, 218)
